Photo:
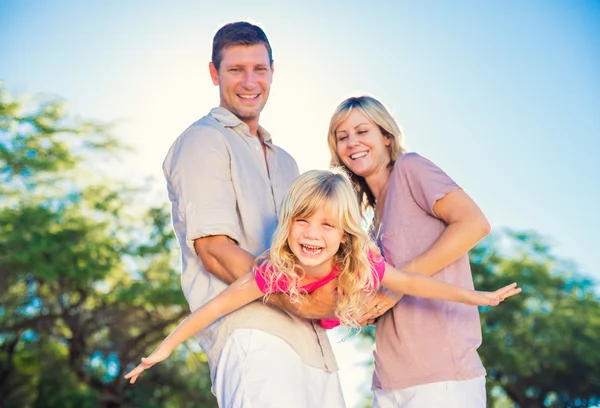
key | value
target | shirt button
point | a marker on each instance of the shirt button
(257, 147)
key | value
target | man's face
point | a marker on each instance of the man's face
(244, 80)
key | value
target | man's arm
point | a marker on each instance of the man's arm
(319, 304)
(224, 259)
(221, 257)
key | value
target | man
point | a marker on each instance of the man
(226, 181)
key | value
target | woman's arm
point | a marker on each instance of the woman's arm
(379, 303)
(241, 292)
(415, 284)
(467, 225)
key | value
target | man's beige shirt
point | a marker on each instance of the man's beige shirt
(218, 184)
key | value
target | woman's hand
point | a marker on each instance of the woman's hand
(377, 304)
(478, 298)
(158, 355)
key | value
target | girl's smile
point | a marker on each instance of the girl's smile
(311, 250)
(314, 241)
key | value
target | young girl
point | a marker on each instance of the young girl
(319, 238)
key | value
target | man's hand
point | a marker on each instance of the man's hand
(377, 304)
(319, 304)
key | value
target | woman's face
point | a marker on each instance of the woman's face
(361, 146)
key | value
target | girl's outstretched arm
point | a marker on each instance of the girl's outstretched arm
(241, 292)
(415, 284)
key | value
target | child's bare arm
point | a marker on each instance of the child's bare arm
(415, 284)
(241, 292)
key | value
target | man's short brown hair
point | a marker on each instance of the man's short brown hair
(238, 33)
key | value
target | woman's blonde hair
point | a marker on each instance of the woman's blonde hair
(379, 115)
(333, 190)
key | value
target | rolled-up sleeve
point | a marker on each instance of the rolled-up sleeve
(197, 169)
(426, 182)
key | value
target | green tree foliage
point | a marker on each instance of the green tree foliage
(87, 279)
(540, 348)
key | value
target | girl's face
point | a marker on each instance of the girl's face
(314, 241)
(361, 146)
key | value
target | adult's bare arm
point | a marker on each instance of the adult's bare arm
(222, 257)
(379, 303)
(467, 225)
(319, 304)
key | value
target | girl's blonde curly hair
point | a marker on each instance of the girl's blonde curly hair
(332, 189)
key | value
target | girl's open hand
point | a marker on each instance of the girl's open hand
(494, 298)
(157, 356)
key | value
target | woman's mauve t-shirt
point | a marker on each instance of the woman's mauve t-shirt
(281, 285)
(421, 341)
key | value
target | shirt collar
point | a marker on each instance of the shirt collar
(228, 119)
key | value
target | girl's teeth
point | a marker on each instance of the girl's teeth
(312, 249)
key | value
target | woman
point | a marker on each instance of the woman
(426, 350)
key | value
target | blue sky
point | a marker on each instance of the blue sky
(505, 96)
